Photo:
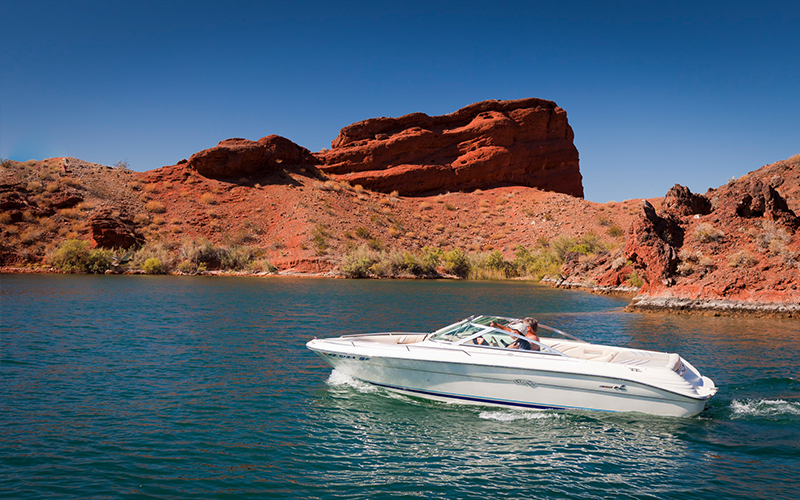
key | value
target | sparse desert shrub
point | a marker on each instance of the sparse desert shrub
(424, 206)
(319, 239)
(742, 259)
(635, 280)
(155, 207)
(237, 258)
(186, 267)
(5, 218)
(362, 232)
(72, 182)
(30, 235)
(456, 263)
(615, 231)
(141, 219)
(685, 268)
(200, 251)
(706, 233)
(153, 265)
(151, 188)
(34, 187)
(543, 261)
(772, 238)
(261, 266)
(430, 259)
(71, 213)
(359, 262)
(75, 256)
(208, 199)
(158, 250)
(449, 206)
(561, 245)
(51, 187)
(589, 244)
(706, 262)
(100, 260)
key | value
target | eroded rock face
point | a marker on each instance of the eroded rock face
(681, 201)
(109, 231)
(762, 200)
(525, 142)
(652, 244)
(239, 157)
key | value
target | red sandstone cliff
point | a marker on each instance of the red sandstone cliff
(525, 142)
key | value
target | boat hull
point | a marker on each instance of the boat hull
(511, 380)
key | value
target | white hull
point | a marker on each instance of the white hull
(642, 382)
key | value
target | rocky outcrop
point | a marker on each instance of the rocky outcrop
(526, 142)
(112, 231)
(652, 244)
(757, 199)
(682, 202)
(239, 157)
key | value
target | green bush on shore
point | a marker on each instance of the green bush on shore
(158, 257)
(75, 256)
(545, 259)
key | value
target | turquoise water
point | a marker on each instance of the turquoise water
(164, 387)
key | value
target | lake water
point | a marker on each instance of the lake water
(167, 387)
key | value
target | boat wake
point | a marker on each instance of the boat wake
(764, 408)
(513, 415)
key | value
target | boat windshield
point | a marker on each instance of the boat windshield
(458, 331)
(477, 330)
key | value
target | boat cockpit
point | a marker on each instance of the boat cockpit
(478, 331)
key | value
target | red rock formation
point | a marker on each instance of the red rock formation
(526, 142)
(109, 231)
(652, 244)
(681, 201)
(241, 157)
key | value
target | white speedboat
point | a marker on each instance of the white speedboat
(565, 373)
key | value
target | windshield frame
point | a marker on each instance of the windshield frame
(478, 326)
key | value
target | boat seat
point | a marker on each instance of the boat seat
(582, 351)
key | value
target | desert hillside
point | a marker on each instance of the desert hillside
(491, 191)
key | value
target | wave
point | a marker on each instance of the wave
(769, 408)
(512, 415)
(337, 379)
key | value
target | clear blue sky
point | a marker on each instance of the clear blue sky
(657, 93)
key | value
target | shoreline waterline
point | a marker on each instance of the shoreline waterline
(640, 304)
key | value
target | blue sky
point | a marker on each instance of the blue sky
(657, 93)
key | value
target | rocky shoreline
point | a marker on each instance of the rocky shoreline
(712, 307)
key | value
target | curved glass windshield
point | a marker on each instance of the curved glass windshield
(478, 331)
(454, 333)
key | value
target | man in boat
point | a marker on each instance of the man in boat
(531, 327)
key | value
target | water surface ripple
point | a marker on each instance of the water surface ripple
(163, 387)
